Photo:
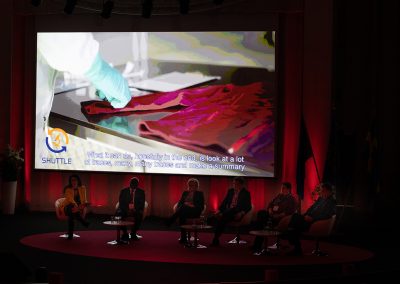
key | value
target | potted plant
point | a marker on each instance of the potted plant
(11, 164)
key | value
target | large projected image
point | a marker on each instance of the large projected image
(198, 103)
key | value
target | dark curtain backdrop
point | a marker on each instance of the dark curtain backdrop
(22, 98)
(39, 189)
(317, 88)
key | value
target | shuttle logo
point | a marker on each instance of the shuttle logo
(57, 140)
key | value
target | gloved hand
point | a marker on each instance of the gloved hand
(109, 83)
(116, 123)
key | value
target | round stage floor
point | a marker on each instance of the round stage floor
(163, 246)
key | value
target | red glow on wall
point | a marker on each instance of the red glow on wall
(310, 181)
(214, 202)
(100, 189)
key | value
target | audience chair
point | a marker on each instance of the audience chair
(59, 210)
(245, 221)
(281, 227)
(284, 224)
(175, 207)
(320, 229)
(61, 214)
(146, 209)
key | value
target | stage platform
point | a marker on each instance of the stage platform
(163, 246)
(158, 258)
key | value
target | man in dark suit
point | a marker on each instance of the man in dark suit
(131, 204)
(284, 204)
(323, 208)
(235, 205)
(190, 205)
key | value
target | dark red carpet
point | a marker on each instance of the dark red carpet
(163, 246)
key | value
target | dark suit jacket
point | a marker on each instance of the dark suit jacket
(198, 199)
(243, 203)
(322, 208)
(125, 198)
(286, 204)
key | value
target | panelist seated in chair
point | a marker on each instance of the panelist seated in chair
(284, 204)
(235, 205)
(75, 203)
(323, 208)
(131, 205)
(190, 205)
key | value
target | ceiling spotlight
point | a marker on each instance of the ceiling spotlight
(70, 6)
(147, 8)
(107, 8)
(184, 6)
(36, 3)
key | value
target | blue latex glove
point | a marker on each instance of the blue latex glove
(117, 123)
(109, 83)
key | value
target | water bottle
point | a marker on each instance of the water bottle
(203, 220)
(269, 224)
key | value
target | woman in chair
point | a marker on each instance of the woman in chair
(190, 205)
(75, 203)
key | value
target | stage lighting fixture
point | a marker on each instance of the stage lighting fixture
(36, 3)
(184, 6)
(107, 8)
(70, 6)
(147, 8)
(218, 2)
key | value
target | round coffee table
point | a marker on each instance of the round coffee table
(265, 234)
(118, 224)
(196, 229)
